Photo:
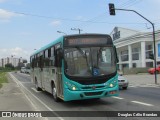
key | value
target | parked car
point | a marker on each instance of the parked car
(153, 70)
(123, 82)
(23, 70)
(28, 71)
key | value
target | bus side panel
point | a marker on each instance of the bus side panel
(49, 75)
(37, 76)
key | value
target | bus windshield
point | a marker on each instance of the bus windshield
(89, 61)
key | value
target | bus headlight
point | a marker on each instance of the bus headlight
(111, 85)
(73, 88)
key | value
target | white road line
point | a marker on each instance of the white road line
(151, 86)
(19, 83)
(144, 86)
(133, 86)
(142, 103)
(35, 90)
(117, 97)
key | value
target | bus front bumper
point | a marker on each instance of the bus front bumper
(80, 95)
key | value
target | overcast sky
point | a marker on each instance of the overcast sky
(26, 25)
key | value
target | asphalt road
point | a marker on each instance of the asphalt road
(135, 98)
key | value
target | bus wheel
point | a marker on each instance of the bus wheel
(54, 93)
(36, 86)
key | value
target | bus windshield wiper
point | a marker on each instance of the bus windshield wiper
(84, 55)
(99, 54)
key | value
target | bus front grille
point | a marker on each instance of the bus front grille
(93, 93)
(92, 87)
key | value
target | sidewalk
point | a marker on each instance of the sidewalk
(13, 99)
(142, 79)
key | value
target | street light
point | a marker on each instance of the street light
(61, 32)
(13, 56)
(78, 29)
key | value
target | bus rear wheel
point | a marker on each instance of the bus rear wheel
(36, 86)
(54, 93)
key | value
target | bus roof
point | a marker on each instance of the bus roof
(48, 45)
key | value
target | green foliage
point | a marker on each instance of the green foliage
(3, 78)
(9, 66)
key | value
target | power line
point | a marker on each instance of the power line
(48, 17)
(92, 20)
(129, 3)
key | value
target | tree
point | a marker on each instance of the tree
(9, 65)
(20, 64)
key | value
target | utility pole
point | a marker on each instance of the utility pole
(78, 29)
(112, 12)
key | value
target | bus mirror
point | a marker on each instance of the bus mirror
(60, 53)
(116, 56)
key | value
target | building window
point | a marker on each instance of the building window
(134, 65)
(125, 66)
(124, 55)
(149, 50)
(135, 54)
(158, 63)
(149, 64)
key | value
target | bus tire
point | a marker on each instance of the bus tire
(54, 93)
(36, 85)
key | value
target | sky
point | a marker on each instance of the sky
(26, 25)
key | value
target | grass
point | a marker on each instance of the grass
(3, 78)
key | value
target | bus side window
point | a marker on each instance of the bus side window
(41, 62)
(49, 52)
(46, 60)
(58, 57)
(52, 58)
(32, 63)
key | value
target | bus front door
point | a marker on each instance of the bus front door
(59, 73)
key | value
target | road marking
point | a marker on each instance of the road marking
(35, 90)
(133, 86)
(142, 103)
(151, 86)
(117, 97)
(20, 84)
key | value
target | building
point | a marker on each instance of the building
(12, 60)
(134, 47)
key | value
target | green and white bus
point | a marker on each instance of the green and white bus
(76, 67)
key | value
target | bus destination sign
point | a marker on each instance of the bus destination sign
(87, 41)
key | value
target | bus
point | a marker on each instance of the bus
(77, 67)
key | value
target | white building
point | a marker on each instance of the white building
(134, 47)
(12, 60)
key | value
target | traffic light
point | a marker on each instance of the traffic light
(111, 9)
